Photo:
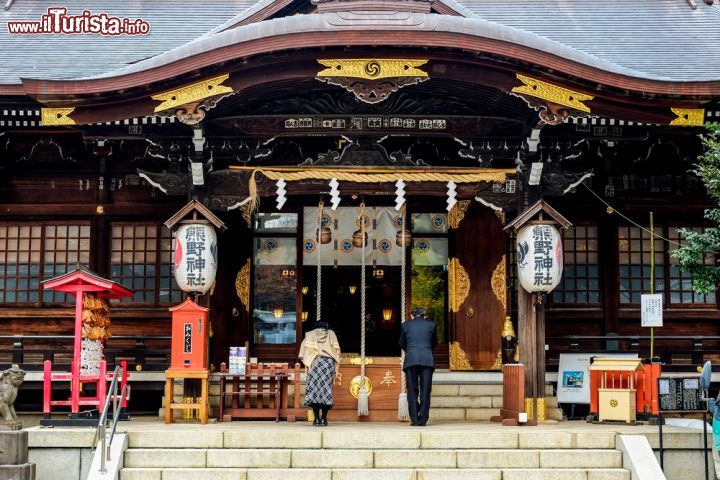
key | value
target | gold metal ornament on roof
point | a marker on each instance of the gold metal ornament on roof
(372, 80)
(688, 117)
(192, 92)
(56, 116)
(553, 93)
(372, 68)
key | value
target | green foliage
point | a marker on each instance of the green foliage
(428, 292)
(698, 247)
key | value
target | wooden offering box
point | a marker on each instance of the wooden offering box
(189, 336)
(384, 376)
(616, 395)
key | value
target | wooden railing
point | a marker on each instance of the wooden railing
(151, 353)
(678, 353)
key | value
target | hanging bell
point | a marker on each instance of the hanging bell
(403, 235)
(357, 239)
(323, 235)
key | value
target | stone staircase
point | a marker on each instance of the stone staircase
(264, 451)
(450, 401)
(477, 402)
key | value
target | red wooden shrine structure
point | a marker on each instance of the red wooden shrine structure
(78, 283)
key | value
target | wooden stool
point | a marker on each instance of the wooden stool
(202, 406)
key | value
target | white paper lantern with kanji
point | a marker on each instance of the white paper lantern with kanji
(195, 257)
(539, 257)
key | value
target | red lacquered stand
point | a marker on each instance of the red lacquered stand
(78, 283)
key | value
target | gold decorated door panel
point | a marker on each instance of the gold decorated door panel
(476, 288)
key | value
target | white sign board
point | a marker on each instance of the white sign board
(238, 360)
(651, 308)
(574, 375)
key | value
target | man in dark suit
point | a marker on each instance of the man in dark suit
(417, 338)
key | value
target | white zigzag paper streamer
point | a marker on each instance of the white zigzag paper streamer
(451, 193)
(334, 193)
(399, 194)
(281, 199)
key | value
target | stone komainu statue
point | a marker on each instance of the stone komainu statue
(10, 381)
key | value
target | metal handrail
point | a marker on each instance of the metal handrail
(101, 432)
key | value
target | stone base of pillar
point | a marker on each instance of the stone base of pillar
(26, 471)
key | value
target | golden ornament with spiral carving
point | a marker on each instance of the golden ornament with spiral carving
(356, 384)
(372, 68)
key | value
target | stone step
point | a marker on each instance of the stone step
(484, 401)
(565, 474)
(464, 401)
(375, 474)
(481, 389)
(401, 437)
(227, 458)
(446, 413)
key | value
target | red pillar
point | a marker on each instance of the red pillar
(77, 349)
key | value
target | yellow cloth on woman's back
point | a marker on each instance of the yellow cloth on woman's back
(319, 343)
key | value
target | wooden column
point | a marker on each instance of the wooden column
(539, 303)
(527, 340)
(609, 276)
(231, 318)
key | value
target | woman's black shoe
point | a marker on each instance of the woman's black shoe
(323, 422)
(316, 422)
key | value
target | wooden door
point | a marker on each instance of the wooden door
(477, 292)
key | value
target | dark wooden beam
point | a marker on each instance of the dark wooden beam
(75, 210)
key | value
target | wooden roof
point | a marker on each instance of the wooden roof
(576, 38)
(90, 281)
(539, 207)
(193, 206)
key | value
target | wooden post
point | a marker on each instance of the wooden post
(539, 301)
(527, 339)
(531, 310)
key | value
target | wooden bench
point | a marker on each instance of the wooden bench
(262, 392)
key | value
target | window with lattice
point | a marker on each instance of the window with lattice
(681, 291)
(634, 262)
(34, 251)
(581, 273)
(141, 259)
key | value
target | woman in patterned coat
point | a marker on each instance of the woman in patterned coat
(320, 352)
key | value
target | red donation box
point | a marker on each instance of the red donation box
(189, 336)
